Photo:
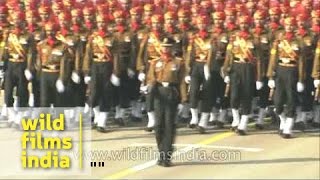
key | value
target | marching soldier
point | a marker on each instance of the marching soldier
(147, 14)
(239, 70)
(305, 97)
(316, 82)
(230, 22)
(99, 66)
(52, 58)
(286, 72)
(274, 26)
(20, 51)
(150, 50)
(166, 75)
(262, 45)
(198, 68)
(220, 41)
(125, 52)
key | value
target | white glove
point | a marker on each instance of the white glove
(144, 89)
(227, 79)
(31, 100)
(60, 86)
(206, 72)
(130, 73)
(28, 74)
(75, 77)
(271, 84)
(300, 87)
(259, 85)
(86, 108)
(316, 83)
(87, 79)
(1, 74)
(187, 79)
(115, 80)
(142, 76)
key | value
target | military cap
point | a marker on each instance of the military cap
(315, 13)
(169, 15)
(244, 19)
(3, 9)
(259, 14)
(119, 14)
(202, 20)
(157, 18)
(76, 12)
(182, 13)
(230, 12)
(167, 42)
(50, 25)
(218, 15)
(274, 10)
(148, 7)
(88, 10)
(135, 10)
(289, 21)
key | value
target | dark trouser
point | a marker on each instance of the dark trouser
(285, 91)
(242, 79)
(48, 91)
(150, 99)
(305, 98)
(263, 94)
(36, 89)
(198, 79)
(79, 92)
(101, 89)
(219, 101)
(14, 77)
(123, 91)
(135, 86)
(165, 105)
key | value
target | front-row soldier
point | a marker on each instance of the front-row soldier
(239, 70)
(316, 82)
(166, 75)
(286, 73)
(99, 65)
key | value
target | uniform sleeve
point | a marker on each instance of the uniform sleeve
(87, 58)
(38, 57)
(316, 62)
(133, 51)
(189, 56)
(141, 67)
(301, 63)
(31, 51)
(77, 62)
(151, 79)
(182, 83)
(63, 63)
(228, 60)
(272, 60)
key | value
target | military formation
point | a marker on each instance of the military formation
(186, 57)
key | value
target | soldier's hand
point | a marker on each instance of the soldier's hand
(28, 74)
(227, 79)
(206, 71)
(31, 100)
(130, 73)
(60, 86)
(271, 84)
(259, 85)
(300, 87)
(75, 77)
(87, 79)
(1, 74)
(316, 83)
(144, 89)
(187, 79)
(142, 76)
(115, 80)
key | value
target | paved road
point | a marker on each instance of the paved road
(260, 154)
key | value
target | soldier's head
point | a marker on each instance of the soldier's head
(17, 18)
(274, 13)
(135, 14)
(158, 2)
(169, 18)
(64, 19)
(68, 3)
(156, 22)
(244, 22)
(125, 4)
(230, 15)
(315, 14)
(259, 18)
(3, 13)
(202, 23)
(183, 16)
(148, 10)
(218, 18)
(50, 29)
(88, 14)
(119, 17)
(31, 16)
(293, 3)
(57, 7)
(76, 16)
(301, 20)
(289, 24)
(166, 47)
(44, 12)
(251, 6)
(101, 22)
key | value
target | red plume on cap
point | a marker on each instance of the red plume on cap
(3, 9)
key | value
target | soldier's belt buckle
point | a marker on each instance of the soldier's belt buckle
(15, 56)
(285, 60)
(52, 67)
(202, 56)
(165, 84)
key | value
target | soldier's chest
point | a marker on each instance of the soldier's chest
(166, 68)
(17, 41)
(202, 44)
(52, 54)
(241, 45)
(102, 42)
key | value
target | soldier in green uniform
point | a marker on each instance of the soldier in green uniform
(286, 73)
(166, 75)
